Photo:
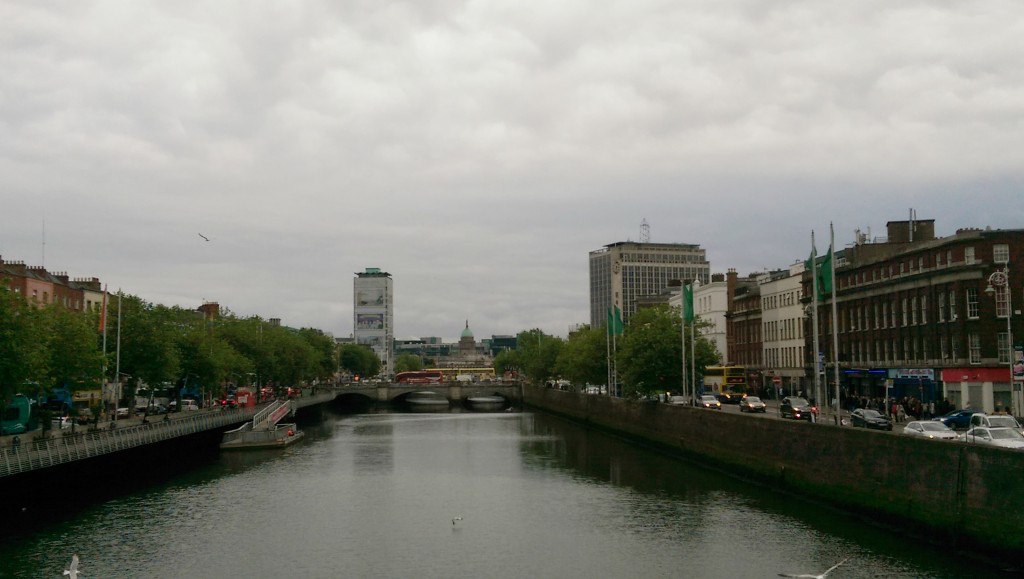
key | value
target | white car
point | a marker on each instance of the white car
(1001, 437)
(929, 429)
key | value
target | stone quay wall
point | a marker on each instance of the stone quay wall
(960, 494)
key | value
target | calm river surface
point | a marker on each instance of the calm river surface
(374, 495)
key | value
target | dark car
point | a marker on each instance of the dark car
(867, 418)
(796, 408)
(752, 404)
(958, 419)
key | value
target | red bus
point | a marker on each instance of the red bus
(420, 377)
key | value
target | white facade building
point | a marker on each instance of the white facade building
(710, 303)
(782, 329)
(373, 315)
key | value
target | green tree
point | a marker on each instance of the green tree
(649, 356)
(149, 345)
(408, 363)
(537, 353)
(74, 351)
(360, 360)
(506, 361)
(23, 344)
(584, 357)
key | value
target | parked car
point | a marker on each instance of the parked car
(995, 421)
(796, 408)
(709, 401)
(1001, 437)
(122, 412)
(752, 404)
(868, 418)
(958, 419)
(929, 429)
(189, 405)
(677, 400)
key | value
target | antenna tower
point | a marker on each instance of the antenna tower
(645, 231)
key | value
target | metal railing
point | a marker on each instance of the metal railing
(59, 449)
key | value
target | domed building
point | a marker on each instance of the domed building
(467, 343)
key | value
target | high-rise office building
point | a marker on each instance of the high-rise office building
(373, 315)
(624, 271)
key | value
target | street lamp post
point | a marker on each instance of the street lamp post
(1001, 279)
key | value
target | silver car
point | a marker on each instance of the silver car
(1001, 437)
(929, 429)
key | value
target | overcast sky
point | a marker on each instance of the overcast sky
(479, 150)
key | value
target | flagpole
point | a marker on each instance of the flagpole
(608, 358)
(103, 329)
(615, 349)
(117, 367)
(814, 321)
(693, 339)
(835, 328)
(682, 335)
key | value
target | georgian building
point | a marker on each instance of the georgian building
(782, 330)
(916, 316)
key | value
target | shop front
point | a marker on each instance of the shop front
(985, 389)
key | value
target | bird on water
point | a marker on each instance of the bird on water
(454, 519)
(72, 570)
(822, 576)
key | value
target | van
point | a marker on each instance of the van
(187, 404)
(995, 421)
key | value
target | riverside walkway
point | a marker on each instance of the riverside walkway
(37, 450)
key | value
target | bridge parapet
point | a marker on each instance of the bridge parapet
(453, 391)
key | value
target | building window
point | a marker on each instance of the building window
(952, 306)
(943, 352)
(924, 309)
(892, 314)
(1000, 253)
(972, 303)
(874, 307)
(969, 255)
(974, 348)
(1004, 348)
(938, 259)
(1002, 309)
(942, 306)
(913, 311)
(904, 311)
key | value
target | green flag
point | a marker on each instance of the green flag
(688, 303)
(615, 326)
(825, 274)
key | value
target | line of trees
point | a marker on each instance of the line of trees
(648, 354)
(44, 347)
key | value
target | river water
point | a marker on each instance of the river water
(375, 495)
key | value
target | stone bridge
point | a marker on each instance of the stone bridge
(453, 391)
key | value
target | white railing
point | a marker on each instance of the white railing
(60, 449)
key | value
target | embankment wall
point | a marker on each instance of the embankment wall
(969, 496)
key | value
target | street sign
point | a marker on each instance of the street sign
(776, 379)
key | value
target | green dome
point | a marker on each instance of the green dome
(467, 333)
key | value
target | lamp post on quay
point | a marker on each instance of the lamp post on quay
(999, 286)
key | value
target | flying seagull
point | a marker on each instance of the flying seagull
(204, 237)
(456, 519)
(822, 576)
(72, 570)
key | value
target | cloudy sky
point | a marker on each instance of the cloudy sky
(478, 150)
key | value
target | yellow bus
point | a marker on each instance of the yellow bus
(727, 383)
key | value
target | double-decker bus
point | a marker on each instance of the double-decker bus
(727, 383)
(420, 377)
